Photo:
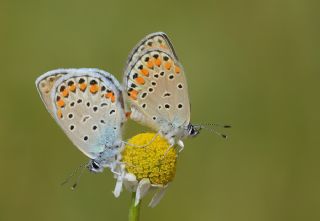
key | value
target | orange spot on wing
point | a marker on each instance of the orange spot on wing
(150, 63)
(111, 96)
(168, 65)
(83, 86)
(163, 46)
(140, 80)
(65, 93)
(128, 114)
(72, 88)
(145, 72)
(133, 94)
(59, 113)
(158, 62)
(177, 70)
(60, 103)
(94, 88)
(108, 95)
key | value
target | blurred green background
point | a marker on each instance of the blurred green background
(254, 64)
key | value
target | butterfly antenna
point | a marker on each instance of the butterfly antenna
(211, 127)
(67, 180)
(78, 179)
(215, 125)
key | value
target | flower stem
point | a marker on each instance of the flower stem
(134, 211)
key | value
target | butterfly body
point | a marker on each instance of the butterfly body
(88, 105)
(156, 88)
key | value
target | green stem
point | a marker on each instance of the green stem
(134, 211)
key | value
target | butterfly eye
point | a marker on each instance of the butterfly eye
(95, 165)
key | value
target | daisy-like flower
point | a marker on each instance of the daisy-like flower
(148, 163)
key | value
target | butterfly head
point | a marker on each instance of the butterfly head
(94, 167)
(192, 130)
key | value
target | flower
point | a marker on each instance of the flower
(148, 163)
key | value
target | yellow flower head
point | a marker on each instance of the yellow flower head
(155, 160)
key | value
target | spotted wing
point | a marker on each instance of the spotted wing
(87, 104)
(44, 84)
(156, 88)
(153, 41)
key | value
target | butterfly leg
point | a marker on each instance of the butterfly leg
(181, 145)
(119, 182)
(115, 169)
(142, 146)
(165, 153)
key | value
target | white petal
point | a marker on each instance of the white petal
(130, 177)
(157, 196)
(143, 187)
(130, 182)
(118, 187)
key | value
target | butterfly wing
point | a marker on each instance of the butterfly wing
(157, 40)
(87, 104)
(156, 87)
(44, 84)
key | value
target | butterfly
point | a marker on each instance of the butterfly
(156, 88)
(88, 105)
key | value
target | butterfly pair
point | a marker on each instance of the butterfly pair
(89, 104)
